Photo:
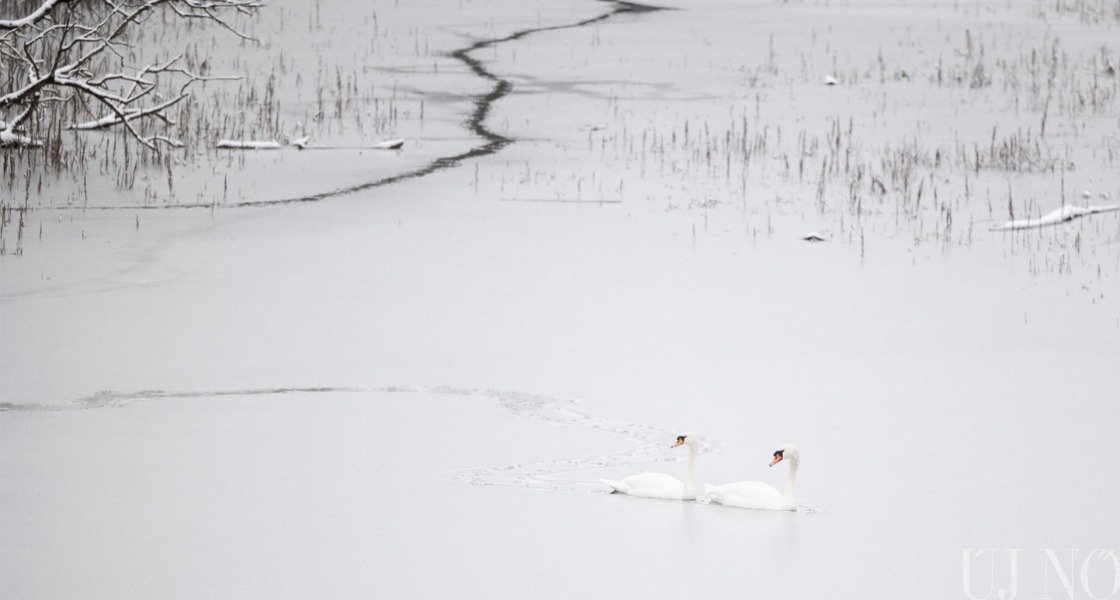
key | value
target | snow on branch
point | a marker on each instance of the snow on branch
(9, 137)
(128, 114)
(32, 18)
(69, 46)
(10, 133)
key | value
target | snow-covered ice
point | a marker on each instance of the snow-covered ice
(412, 387)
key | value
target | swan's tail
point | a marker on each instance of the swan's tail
(617, 487)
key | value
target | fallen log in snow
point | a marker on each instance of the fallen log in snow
(249, 145)
(1062, 215)
(389, 145)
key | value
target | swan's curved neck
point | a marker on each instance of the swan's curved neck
(689, 488)
(790, 476)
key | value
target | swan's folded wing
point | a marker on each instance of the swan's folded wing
(748, 494)
(649, 485)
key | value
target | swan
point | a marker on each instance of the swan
(660, 485)
(755, 494)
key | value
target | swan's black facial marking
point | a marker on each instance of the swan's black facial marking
(680, 439)
(779, 454)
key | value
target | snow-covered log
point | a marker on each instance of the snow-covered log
(249, 144)
(1062, 215)
(389, 145)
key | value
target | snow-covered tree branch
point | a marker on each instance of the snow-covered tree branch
(55, 52)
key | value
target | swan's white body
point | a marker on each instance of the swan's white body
(758, 495)
(749, 494)
(660, 485)
(652, 485)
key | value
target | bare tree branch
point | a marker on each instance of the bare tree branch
(71, 45)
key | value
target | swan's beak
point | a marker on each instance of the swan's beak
(680, 440)
(777, 459)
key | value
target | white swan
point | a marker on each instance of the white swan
(755, 494)
(660, 485)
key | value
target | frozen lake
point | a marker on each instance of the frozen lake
(412, 389)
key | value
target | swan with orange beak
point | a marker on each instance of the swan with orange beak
(660, 485)
(758, 495)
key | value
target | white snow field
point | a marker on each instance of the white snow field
(342, 372)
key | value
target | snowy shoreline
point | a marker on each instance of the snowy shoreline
(474, 122)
